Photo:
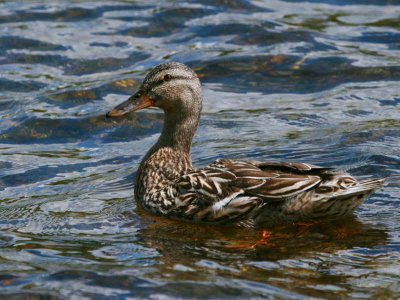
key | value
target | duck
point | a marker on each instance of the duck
(244, 192)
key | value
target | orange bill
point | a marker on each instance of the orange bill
(134, 103)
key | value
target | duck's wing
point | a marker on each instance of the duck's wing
(291, 167)
(275, 181)
(230, 190)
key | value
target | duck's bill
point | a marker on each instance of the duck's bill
(134, 103)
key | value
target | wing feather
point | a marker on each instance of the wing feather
(230, 189)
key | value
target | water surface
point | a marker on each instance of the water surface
(314, 81)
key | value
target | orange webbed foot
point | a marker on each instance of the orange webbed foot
(265, 236)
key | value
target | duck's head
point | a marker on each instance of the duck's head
(173, 87)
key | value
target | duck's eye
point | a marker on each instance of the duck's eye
(167, 77)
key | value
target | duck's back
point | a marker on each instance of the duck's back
(233, 191)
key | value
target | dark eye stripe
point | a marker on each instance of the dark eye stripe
(159, 82)
(167, 77)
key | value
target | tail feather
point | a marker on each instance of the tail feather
(365, 187)
(393, 179)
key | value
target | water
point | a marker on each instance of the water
(314, 81)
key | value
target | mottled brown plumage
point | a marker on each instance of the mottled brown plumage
(238, 191)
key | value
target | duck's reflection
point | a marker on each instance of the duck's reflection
(185, 243)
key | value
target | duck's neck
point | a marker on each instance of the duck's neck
(169, 158)
(178, 132)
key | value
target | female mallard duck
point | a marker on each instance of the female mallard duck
(227, 190)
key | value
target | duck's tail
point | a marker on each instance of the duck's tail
(362, 189)
(345, 201)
